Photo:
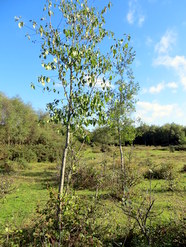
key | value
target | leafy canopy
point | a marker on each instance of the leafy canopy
(76, 69)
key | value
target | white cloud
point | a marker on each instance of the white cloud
(154, 113)
(130, 16)
(172, 85)
(157, 89)
(183, 80)
(149, 41)
(166, 42)
(178, 63)
(135, 13)
(141, 20)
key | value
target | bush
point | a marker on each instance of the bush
(184, 168)
(172, 235)
(7, 166)
(160, 172)
(5, 185)
(30, 153)
(171, 149)
(78, 225)
(127, 180)
(85, 177)
(180, 147)
(22, 152)
(22, 163)
(46, 153)
(166, 172)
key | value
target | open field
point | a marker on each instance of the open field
(29, 187)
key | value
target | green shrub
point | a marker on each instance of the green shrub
(166, 172)
(46, 153)
(172, 234)
(22, 163)
(160, 172)
(85, 177)
(5, 184)
(22, 152)
(180, 147)
(184, 168)
(78, 225)
(7, 166)
(171, 149)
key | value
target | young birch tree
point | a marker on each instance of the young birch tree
(122, 104)
(70, 48)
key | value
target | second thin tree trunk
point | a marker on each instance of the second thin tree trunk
(122, 161)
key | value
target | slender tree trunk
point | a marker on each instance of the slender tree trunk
(61, 183)
(63, 164)
(121, 152)
(65, 151)
(122, 162)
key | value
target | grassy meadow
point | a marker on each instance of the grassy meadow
(28, 188)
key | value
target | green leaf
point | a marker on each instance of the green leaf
(32, 86)
(41, 30)
(20, 24)
(34, 24)
(48, 79)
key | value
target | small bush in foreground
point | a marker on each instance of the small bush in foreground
(5, 185)
(79, 227)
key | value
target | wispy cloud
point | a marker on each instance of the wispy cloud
(172, 85)
(130, 16)
(141, 20)
(178, 63)
(160, 87)
(135, 13)
(157, 89)
(151, 112)
(149, 41)
(166, 42)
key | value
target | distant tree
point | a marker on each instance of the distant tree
(103, 135)
(18, 121)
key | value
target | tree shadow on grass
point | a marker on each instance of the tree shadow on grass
(44, 178)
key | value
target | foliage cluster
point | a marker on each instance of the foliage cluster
(26, 136)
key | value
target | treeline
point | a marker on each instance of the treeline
(26, 135)
(29, 136)
(166, 135)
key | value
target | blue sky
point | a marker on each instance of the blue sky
(158, 31)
